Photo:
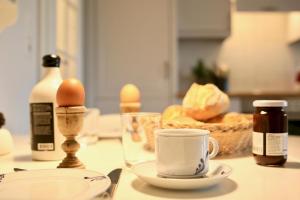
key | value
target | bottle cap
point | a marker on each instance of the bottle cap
(51, 60)
(270, 103)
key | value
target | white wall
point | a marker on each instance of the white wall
(19, 67)
(256, 52)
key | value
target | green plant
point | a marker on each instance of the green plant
(2, 119)
(203, 74)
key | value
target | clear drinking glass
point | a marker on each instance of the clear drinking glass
(138, 136)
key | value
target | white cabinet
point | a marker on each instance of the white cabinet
(293, 34)
(268, 5)
(203, 18)
(130, 41)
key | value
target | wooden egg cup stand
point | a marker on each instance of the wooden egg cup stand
(70, 121)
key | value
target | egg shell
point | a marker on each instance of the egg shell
(129, 94)
(70, 93)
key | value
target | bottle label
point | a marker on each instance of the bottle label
(42, 126)
(258, 143)
(276, 144)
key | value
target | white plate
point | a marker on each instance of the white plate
(147, 172)
(53, 184)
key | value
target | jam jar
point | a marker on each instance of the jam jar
(270, 132)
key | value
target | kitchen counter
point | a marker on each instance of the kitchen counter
(258, 94)
(248, 180)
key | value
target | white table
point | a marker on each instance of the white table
(248, 180)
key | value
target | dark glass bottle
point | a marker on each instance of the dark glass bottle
(270, 132)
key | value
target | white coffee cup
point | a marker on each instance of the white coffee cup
(182, 153)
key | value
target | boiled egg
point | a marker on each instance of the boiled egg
(70, 93)
(129, 94)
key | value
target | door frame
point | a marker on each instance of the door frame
(90, 53)
(47, 33)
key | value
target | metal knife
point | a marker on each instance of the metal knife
(114, 176)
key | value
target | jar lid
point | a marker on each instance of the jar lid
(270, 103)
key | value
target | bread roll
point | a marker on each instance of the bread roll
(203, 102)
(172, 112)
(174, 115)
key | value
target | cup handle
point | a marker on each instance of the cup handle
(215, 145)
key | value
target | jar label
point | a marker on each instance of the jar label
(258, 143)
(276, 144)
(42, 126)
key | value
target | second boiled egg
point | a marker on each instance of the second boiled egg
(129, 94)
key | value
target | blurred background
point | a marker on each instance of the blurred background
(248, 48)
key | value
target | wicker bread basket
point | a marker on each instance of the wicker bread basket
(235, 138)
(150, 122)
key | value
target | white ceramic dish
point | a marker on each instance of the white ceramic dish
(53, 184)
(147, 172)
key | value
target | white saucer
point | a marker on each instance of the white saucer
(147, 172)
(53, 184)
